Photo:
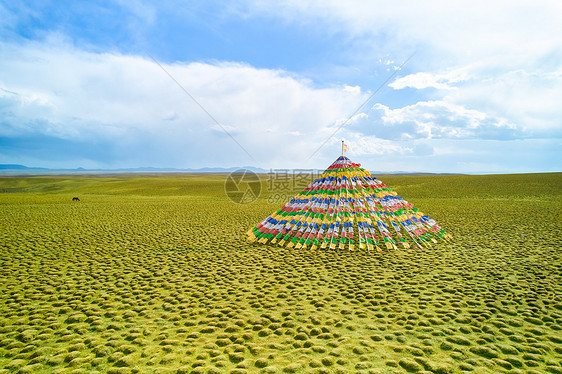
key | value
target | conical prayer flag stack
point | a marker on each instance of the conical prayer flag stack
(344, 208)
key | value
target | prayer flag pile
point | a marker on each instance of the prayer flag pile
(344, 208)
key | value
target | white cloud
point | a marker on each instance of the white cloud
(360, 145)
(467, 30)
(432, 120)
(457, 155)
(129, 104)
(428, 80)
(528, 99)
(502, 58)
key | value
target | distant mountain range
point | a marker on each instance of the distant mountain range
(13, 169)
(17, 167)
(22, 169)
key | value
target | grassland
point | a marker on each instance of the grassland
(152, 274)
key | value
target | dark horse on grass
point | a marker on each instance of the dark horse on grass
(75, 199)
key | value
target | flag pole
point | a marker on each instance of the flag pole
(342, 147)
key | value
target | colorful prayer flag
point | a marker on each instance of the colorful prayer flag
(343, 200)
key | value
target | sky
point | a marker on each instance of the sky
(432, 86)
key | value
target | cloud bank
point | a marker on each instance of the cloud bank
(130, 107)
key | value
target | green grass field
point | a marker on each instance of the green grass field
(153, 274)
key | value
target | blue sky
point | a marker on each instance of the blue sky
(481, 92)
